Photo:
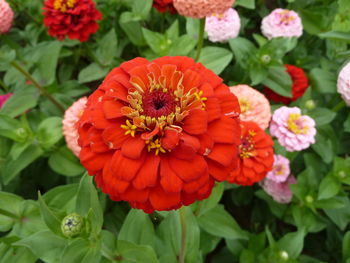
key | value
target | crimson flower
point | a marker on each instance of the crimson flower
(300, 85)
(164, 6)
(158, 134)
(76, 19)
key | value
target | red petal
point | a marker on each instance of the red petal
(225, 130)
(191, 80)
(129, 65)
(115, 89)
(196, 122)
(194, 186)
(169, 180)
(207, 144)
(93, 162)
(97, 144)
(224, 153)
(188, 147)
(212, 107)
(98, 118)
(219, 172)
(148, 174)
(162, 200)
(114, 136)
(170, 139)
(132, 147)
(112, 109)
(189, 170)
(112, 185)
(134, 195)
(125, 168)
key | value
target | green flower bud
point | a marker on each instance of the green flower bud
(265, 59)
(310, 105)
(72, 225)
(309, 199)
(284, 255)
(22, 133)
(341, 174)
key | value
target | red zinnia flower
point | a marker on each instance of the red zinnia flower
(256, 155)
(300, 85)
(73, 18)
(157, 134)
(164, 6)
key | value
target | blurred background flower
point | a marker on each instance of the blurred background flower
(6, 17)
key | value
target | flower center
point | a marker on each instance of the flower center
(63, 5)
(158, 103)
(219, 16)
(279, 169)
(244, 104)
(247, 147)
(286, 17)
(296, 124)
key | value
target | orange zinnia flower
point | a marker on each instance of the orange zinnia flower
(256, 155)
(158, 134)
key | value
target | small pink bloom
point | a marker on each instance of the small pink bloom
(71, 117)
(6, 17)
(344, 83)
(280, 170)
(254, 105)
(222, 27)
(4, 98)
(282, 23)
(280, 192)
(294, 131)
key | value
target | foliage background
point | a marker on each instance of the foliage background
(236, 224)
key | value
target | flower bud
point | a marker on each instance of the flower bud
(265, 59)
(284, 255)
(72, 225)
(309, 199)
(341, 174)
(310, 105)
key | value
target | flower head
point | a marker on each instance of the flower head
(282, 23)
(256, 155)
(157, 134)
(344, 83)
(300, 85)
(76, 19)
(294, 131)
(71, 117)
(222, 27)
(4, 98)
(254, 106)
(6, 17)
(202, 8)
(279, 191)
(164, 6)
(280, 170)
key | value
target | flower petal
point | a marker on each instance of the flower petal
(196, 122)
(147, 176)
(189, 170)
(169, 180)
(132, 147)
(112, 109)
(225, 130)
(125, 168)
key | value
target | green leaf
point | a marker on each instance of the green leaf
(209, 203)
(137, 228)
(91, 73)
(16, 254)
(47, 62)
(50, 132)
(81, 250)
(322, 116)
(21, 101)
(324, 81)
(107, 48)
(14, 167)
(61, 196)
(182, 46)
(156, 41)
(10, 203)
(346, 246)
(215, 58)
(246, 3)
(330, 203)
(50, 219)
(45, 245)
(87, 198)
(347, 124)
(293, 243)
(220, 223)
(335, 35)
(340, 216)
(324, 148)
(65, 163)
(131, 26)
(130, 252)
(243, 50)
(279, 81)
(329, 187)
(142, 8)
(12, 129)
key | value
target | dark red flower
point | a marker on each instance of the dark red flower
(158, 134)
(256, 155)
(164, 6)
(76, 19)
(300, 85)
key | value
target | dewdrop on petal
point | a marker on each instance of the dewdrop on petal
(6, 17)
(202, 8)
(343, 85)
(71, 117)
(222, 27)
(282, 23)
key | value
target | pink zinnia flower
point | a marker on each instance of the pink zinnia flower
(6, 17)
(222, 27)
(254, 105)
(4, 98)
(71, 117)
(344, 83)
(282, 23)
(202, 8)
(294, 131)
(280, 170)
(280, 192)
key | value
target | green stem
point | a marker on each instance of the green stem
(8, 214)
(37, 85)
(182, 252)
(339, 106)
(200, 38)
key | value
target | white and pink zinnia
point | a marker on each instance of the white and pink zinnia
(343, 85)
(282, 23)
(293, 130)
